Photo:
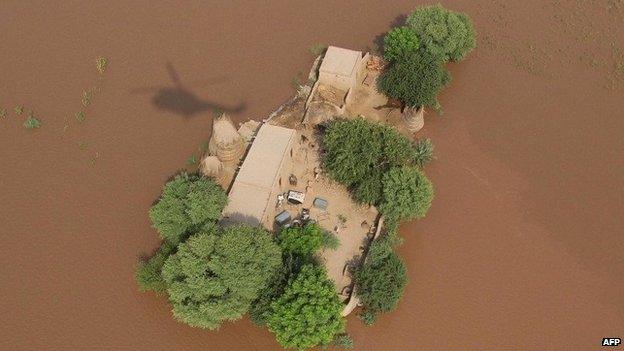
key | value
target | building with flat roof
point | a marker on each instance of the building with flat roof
(266, 167)
(340, 68)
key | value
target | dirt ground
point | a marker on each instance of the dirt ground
(522, 248)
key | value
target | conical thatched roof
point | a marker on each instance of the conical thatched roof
(211, 166)
(225, 142)
(223, 131)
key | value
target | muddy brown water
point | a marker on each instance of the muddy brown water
(522, 249)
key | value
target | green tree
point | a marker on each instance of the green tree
(303, 240)
(352, 148)
(379, 250)
(358, 152)
(416, 80)
(291, 266)
(443, 33)
(308, 313)
(214, 276)
(188, 204)
(407, 193)
(400, 42)
(148, 274)
(380, 284)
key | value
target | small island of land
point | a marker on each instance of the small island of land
(294, 219)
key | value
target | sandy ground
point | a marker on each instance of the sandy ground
(522, 249)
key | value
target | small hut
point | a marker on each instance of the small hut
(225, 142)
(211, 166)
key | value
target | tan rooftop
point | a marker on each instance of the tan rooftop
(340, 61)
(255, 185)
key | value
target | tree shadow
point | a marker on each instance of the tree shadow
(182, 101)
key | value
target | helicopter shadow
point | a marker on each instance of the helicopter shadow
(179, 99)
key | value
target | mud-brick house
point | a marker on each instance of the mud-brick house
(341, 68)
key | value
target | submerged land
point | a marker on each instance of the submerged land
(521, 249)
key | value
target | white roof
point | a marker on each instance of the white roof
(340, 61)
(250, 192)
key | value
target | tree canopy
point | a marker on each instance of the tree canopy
(148, 274)
(303, 240)
(407, 193)
(214, 276)
(188, 203)
(400, 42)
(381, 282)
(308, 313)
(443, 33)
(415, 80)
(358, 152)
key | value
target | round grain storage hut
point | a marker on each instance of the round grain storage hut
(414, 118)
(225, 142)
(211, 166)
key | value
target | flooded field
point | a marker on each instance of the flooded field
(522, 249)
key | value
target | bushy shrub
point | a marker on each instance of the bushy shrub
(344, 341)
(423, 152)
(330, 240)
(308, 313)
(303, 240)
(380, 284)
(445, 34)
(148, 274)
(415, 80)
(187, 205)
(399, 43)
(368, 317)
(32, 123)
(214, 276)
(407, 193)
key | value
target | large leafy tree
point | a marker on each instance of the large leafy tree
(443, 33)
(148, 274)
(308, 312)
(214, 276)
(291, 266)
(358, 152)
(188, 204)
(415, 80)
(298, 245)
(407, 193)
(400, 42)
(381, 281)
(301, 240)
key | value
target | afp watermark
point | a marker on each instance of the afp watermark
(611, 341)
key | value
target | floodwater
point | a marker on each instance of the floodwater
(522, 249)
